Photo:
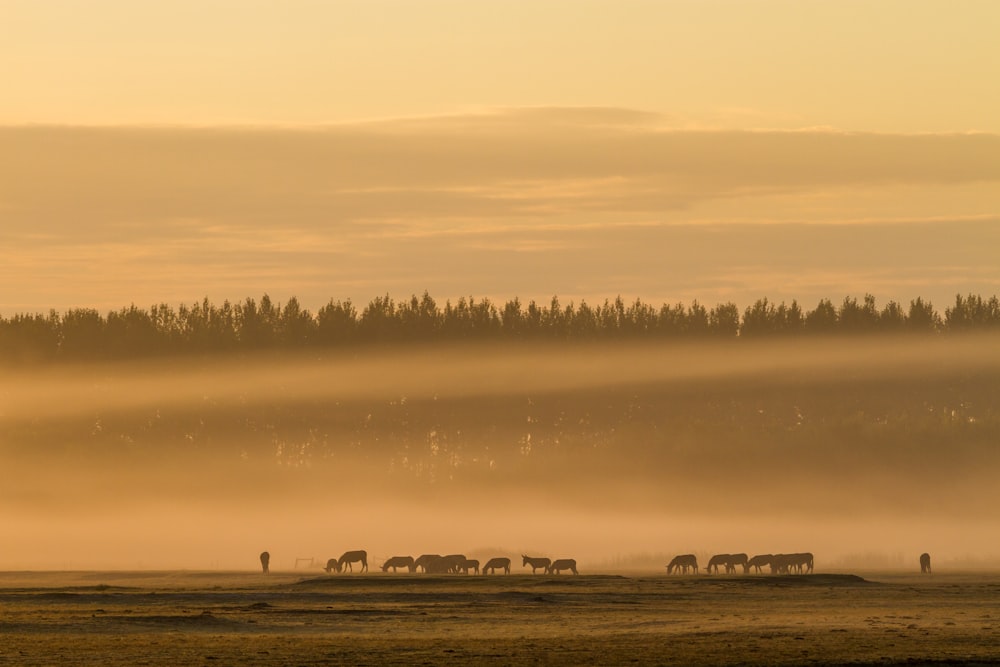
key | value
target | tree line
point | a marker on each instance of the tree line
(251, 325)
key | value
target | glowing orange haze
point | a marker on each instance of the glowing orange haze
(100, 498)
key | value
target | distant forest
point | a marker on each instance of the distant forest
(205, 328)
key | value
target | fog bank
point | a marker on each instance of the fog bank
(601, 452)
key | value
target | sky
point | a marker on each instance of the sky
(668, 151)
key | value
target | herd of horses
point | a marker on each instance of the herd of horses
(437, 564)
(778, 563)
(800, 563)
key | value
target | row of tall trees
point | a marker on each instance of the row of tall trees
(204, 327)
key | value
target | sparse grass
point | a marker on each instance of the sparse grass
(512, 620)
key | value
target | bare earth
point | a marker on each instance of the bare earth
(216, 618)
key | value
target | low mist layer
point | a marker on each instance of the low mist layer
(602, 452)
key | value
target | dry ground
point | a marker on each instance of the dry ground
(218, 618)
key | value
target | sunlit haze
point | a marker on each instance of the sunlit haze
(676, 151)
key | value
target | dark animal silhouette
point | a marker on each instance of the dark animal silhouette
(494, 563)
(438, 565)
(399, 561)
(454, 563)
(265, 561)
(792, 563)
(558, 566)
(781, 564)
(536, 563)
(424, 559)
(682, 563)
(925, 563)
(715, 561)
(332, 564)
(759, 561)
(350, 557)
(803, 562)
(738, 559)
(470, 564)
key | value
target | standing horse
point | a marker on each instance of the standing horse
(494, 563)
(265, 561)
(738, 559)
(925, 563)
(558, 566)
(470, 564)
(536, 563)
(803, 562)
(682, 563)
(353, 557)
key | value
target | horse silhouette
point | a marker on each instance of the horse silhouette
(925, 563)
(331, 565)
(558, 566)
(759, 561)
(536, 563)
(470, 564)
(454, 563)
(781, 564)
(715, 561)
(399, 561)
(682, 563)
(265, 561)
(792, 563)
(803, 562)
(350, 557)
(738, 559)
(494, 563)
(423, 560)
(434, 564)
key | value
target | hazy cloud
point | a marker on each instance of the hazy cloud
(443, 203)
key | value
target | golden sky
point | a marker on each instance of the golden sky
(671, 150)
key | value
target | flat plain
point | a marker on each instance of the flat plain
(213, 618)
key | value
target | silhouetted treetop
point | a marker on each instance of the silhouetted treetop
(205, 328)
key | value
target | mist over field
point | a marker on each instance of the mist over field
(860, 450)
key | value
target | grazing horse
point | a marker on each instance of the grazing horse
(781, 564)
(332, 564)
(791, 563)
(438, 565)
(715, 561)
(759, 561)
(558, 566)
(265, 561)
(399, 561)
(353, 557)
(536, 563)
(925, 563)
(424, 560)
(494, 563)
(682, 563)
(454, 563)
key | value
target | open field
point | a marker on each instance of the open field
(186, 617)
